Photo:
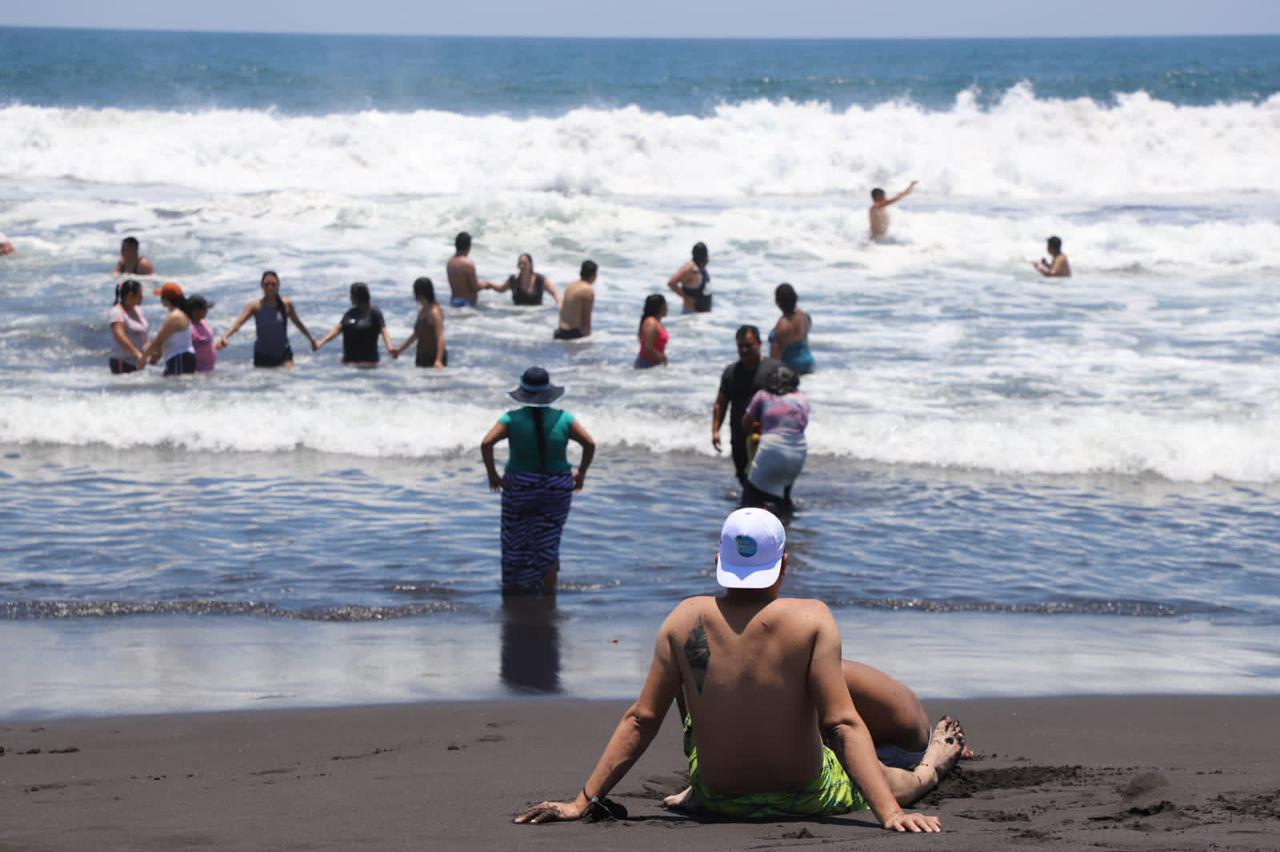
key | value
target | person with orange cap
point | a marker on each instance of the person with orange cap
(172, 343)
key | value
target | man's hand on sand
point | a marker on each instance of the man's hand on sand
(912, 822)
(550, 811)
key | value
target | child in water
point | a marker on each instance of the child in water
(202, 337)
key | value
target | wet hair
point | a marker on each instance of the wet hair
(653, 306)
(424, 289)
(541, 435)
(588, 271)
(197, 302)
(785, 298)
(360, 294)
(127, 288)
(1055, 244)
(877, 194)
(529, 257)
(270, 272)
(744, 330)
(131, 242)
(700, 254)
(783, 381)
(462, 243)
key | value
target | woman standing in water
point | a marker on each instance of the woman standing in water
(537, 487)
(780, 413)
(360, 327)
(428, 330)
(173, 340)
(653, 335)
(271, 315)
(128, 329)
(527, 286)
(789, 340)
(691, 279)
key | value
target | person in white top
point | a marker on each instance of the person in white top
(173, 340)
(128, 329)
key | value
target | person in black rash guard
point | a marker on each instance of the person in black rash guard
(360, 328)
(738, 384)
(527, 286)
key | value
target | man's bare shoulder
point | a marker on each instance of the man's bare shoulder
(685, 615)
(802, 609)
(459, 261)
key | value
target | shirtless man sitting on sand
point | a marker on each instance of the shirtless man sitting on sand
(463, 283)
(878, 212)
(771, 730)
(130, 262)
(1058, 266)
(575, 307)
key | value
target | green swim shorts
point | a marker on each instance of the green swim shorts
(830, 793)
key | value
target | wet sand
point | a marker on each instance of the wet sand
(1187, 772)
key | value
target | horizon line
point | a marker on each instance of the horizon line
(526, 37)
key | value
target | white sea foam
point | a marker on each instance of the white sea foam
(1022, 147)
(1046, 441)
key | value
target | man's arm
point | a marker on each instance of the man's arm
(717, 417)
(846, 733)
(584, 311)
(637, 729)
(898, 197)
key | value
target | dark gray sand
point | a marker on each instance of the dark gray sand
(1166, 773)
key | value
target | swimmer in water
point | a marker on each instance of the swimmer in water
(1057, 266)
(690, 281)
(878, 212)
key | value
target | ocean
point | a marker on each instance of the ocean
(1015, 486)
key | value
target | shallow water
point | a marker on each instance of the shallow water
(1086, 461)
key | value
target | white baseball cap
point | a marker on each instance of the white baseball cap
(751, 545)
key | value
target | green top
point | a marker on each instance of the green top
(523, 440)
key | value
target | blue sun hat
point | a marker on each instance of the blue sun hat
(751, 545)
(535, 388)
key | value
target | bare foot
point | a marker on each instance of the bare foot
(682, 801)
(945, 748)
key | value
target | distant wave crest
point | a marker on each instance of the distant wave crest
(1022, 146)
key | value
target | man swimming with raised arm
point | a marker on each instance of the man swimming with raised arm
(464, 286)
(878, 212)
(1057, 266)
(771, 731)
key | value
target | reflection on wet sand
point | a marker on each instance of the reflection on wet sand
(530, 643)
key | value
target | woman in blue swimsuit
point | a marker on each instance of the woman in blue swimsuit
(789, 340)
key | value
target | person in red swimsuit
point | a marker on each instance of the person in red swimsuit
(653, 336)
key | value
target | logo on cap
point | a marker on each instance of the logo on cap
(746, 546)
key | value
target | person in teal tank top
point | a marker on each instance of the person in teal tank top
(538, 482)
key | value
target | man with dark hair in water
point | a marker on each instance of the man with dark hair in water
(773, 729)
(738, 384)
(1058, 266)
(576, 306)
(878, 213)
(131, 262)
(461, 270)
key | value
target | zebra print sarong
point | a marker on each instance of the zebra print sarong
(534, 509)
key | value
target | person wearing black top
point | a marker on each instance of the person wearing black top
(738, 384)
(527, 286)
(360, 328)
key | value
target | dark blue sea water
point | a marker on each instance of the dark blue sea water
(321, 75)
(1014, 485)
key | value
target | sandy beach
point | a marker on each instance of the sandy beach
(1056, 773)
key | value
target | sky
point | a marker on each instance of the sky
(667, 18)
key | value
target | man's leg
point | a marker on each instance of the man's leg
(738, 446)
(892, 712)
(909, 785)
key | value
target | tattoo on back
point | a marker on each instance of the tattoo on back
(698, 653)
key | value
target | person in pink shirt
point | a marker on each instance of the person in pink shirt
(780, 414)
(202, 338)
(129, 329)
